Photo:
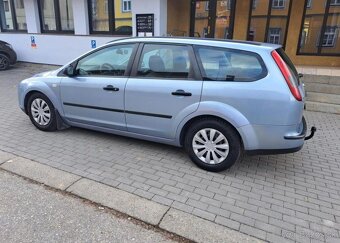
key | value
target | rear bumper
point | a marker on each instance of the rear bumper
(303, 133)
(273, 151)
(269, 139)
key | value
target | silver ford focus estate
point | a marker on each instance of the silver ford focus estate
(218, 99)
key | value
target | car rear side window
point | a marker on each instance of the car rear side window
(165, 61)
(222, 64)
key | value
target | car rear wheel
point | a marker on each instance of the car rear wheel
(4, 62)
(213, 145)
(41, 112)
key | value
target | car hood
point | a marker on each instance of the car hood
(46, 74)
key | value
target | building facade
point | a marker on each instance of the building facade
(56, 31)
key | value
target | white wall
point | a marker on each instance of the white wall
(51, 49)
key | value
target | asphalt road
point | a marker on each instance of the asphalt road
(32, 213)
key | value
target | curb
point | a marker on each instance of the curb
(171, 220)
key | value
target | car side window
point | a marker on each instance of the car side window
(110, 61)
(222, 64)
(165, 61)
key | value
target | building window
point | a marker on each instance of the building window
(206, 6)
(319, 34)
(12, 15)
(254, 4)
(19, 4)
(329, 36)
(309, 3)
(56, 15)
(278, 3)
(267, 24)
(274, 35)
(107, 17)
(335, 2)
(126, 6)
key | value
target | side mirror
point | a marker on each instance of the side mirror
(70, 71)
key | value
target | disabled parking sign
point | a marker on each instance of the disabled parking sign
(33, 44)
(93, 43)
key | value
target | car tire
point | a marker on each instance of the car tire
(41, 112)
(213, 145)
(4, 62)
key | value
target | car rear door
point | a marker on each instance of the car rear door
(163, 89)
(95, 96)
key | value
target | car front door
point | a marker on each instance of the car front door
(95, 95)
(163, 89)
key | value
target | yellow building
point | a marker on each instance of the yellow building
(304, 27)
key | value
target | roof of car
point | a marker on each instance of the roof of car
(202, 41)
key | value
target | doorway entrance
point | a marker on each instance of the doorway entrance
(212, 18)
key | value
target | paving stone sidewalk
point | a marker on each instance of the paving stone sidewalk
(275, 198)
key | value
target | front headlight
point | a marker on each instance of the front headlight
(9, 45)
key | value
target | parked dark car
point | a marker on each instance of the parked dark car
(7, 55)
(125, 30)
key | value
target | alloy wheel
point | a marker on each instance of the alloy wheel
(210, 146)
(41, 112)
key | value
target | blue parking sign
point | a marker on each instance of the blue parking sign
(33, 44)
(93, 43)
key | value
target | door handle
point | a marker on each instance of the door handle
(110, 88)
(181, 92)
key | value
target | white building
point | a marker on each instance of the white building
(57, 31)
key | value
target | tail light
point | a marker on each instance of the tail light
(288, 75)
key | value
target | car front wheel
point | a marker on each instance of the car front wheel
(41, 112)
(213, 145)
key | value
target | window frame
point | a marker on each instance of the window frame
(328, 33)
(263, 74)
(193, 61)
(274, 35)
(278, 6)
(269, 16)
(335, 3)
(124, 10)
(14, 19)
(111, 19)
(56, 18)
(319, 52)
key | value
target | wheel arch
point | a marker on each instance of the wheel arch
(27, 96)
(206, 117)
(49, 94)
(6, 54)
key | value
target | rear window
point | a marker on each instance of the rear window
(222, 64)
